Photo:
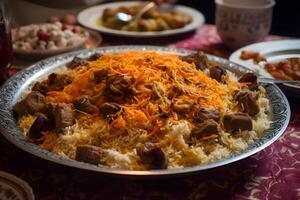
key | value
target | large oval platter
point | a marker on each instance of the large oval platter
(14, 88)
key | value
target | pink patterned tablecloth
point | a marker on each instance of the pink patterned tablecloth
(273, 173)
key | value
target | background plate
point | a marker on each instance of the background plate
(89, 17)
(18, 85)
(273, 51)
(14, 188)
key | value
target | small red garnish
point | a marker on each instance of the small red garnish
(75, 30)
(64, 27)
(43, 36)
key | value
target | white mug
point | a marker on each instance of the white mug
(242, 22)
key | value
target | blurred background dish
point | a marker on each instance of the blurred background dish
(38, 41)
(14, 188)
(271, 53)
(90, 18)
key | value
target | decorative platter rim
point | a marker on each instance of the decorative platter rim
(87, 18)
(12, 90)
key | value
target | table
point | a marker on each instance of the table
(273, 173)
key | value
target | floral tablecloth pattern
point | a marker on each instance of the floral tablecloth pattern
(273, 173)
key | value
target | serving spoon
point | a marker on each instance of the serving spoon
(272, 80)
(126, 18)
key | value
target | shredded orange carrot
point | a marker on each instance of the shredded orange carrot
(149, 71)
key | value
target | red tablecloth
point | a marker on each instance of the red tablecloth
(274, 173)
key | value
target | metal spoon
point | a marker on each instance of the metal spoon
(126, 18)
(272, 80)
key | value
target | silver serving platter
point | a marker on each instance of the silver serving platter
(13, 89)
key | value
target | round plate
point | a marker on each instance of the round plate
(37, 54)
(14, 188)
(18, 84)
(89, 17)
(273, 51)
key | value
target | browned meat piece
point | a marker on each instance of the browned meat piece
(153, 156)
(119, 87)
(41, 124)
(108, 13)
(206, 128)
(217, 72)
(248, 77)
(251, 79)
(199, 58)
(57, 82)
(175, 91)
(63, 116)
(203, 114)
(100, 75)
(88, 153)
(33, 103)
(84, 104)
(108, 109)
(247, 102)
(41, 87)
(76, 62)
(237, 121)
(95, 56)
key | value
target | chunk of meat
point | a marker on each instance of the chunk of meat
(95, 56)
(76, 62)
(247, 102)
(217, 72)
(153, 156)
(237, 122)
(175, 91)
(34, 102)
(199, 58)
(57, 82)
(118, 87)
(41, 87)
(248, 77)
(88, 153)
(84, 104)
(64, 116)
(100, 75)
(206, 128)
(251, 79)
(204, 113)
(41, 124)
(108, 109)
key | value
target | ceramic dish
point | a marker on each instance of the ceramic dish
(14, 88)
(37, 54)
(90, 16)
(14, 188)
(273, 51)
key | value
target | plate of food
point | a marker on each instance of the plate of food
(13, 187)
(273, 59)
(154, 23)
(36, 41)
(141, 111)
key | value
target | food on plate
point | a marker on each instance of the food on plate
(153, 20)
(66, 19)
(246, 55)
(144, 110)
(288, 69)
(48, 36)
